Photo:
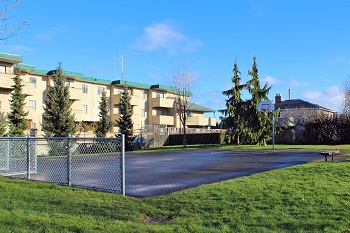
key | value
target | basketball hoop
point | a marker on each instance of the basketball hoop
(265, 106)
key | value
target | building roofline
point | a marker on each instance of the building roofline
(11, 58)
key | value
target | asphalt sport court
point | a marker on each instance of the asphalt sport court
(159, 173)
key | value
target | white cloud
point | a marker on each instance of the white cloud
(329, 98)
(21, 48)
(162, 36)
(294, 83)
(270, 80)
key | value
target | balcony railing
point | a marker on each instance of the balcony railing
(6, 80)
(75, 93)
(162, 102)
(30, 111)
(28, 88)
(200, 121)
(163, 120)
(134, 101)
(78, 114)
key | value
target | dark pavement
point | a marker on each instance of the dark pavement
(158, 173)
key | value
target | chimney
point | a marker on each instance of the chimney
(278, 98)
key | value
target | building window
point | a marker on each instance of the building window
(120, 91)
(159, 95)
(99, 90)
(2, 69)
(67, 83)
(32, 103)
(33, 80)
(160, 113)
(85, 88)
(84, 108)
(143, 113)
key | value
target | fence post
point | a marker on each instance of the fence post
(69, 162)
(28, 158)
(123, 164)
(7, 166)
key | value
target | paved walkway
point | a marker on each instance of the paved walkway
(158, 173)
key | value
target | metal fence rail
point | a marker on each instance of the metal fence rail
(94, 163)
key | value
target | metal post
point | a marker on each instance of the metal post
(8, 153)
(69, 163)
(123, 164)
(28, 158)
(273, 131)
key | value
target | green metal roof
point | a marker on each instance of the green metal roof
(96, 80)
(162, 87)
(40, 72)
(27, 67)
(131, 84)
(68, 74)
(199, 108)
(11, 58)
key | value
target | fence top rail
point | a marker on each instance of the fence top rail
(61, 138)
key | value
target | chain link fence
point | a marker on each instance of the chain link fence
(93, 163)
(155, 135)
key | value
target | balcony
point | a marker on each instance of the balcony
(78, 114)
(6, 80)
(162, 120)
(134, 101)
(75, 93)
(28, 88)
(30, 111)
(200, 121)
(162, 102)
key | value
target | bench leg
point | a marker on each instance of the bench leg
(332, 157)
(325, 158)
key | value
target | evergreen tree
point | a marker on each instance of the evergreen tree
(17, 115)
(259, 123)
(58, 117)
(104, 125)
(235, 107)
(3, 124)
(125, 122)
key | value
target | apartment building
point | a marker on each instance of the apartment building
(151, 104)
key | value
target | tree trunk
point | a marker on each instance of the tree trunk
(184, 136)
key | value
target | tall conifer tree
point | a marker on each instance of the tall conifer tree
(104, 125)
(58, 117)
(235, 107)
(259, 123)
(125, 122)
(17, 115)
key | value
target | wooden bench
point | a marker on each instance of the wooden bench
(329, 153)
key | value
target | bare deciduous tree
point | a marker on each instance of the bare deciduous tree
(182, 87)
(8, 28)
(345, 108)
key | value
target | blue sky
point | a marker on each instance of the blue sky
(299, 45)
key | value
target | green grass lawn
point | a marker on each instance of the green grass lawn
(313, 197)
